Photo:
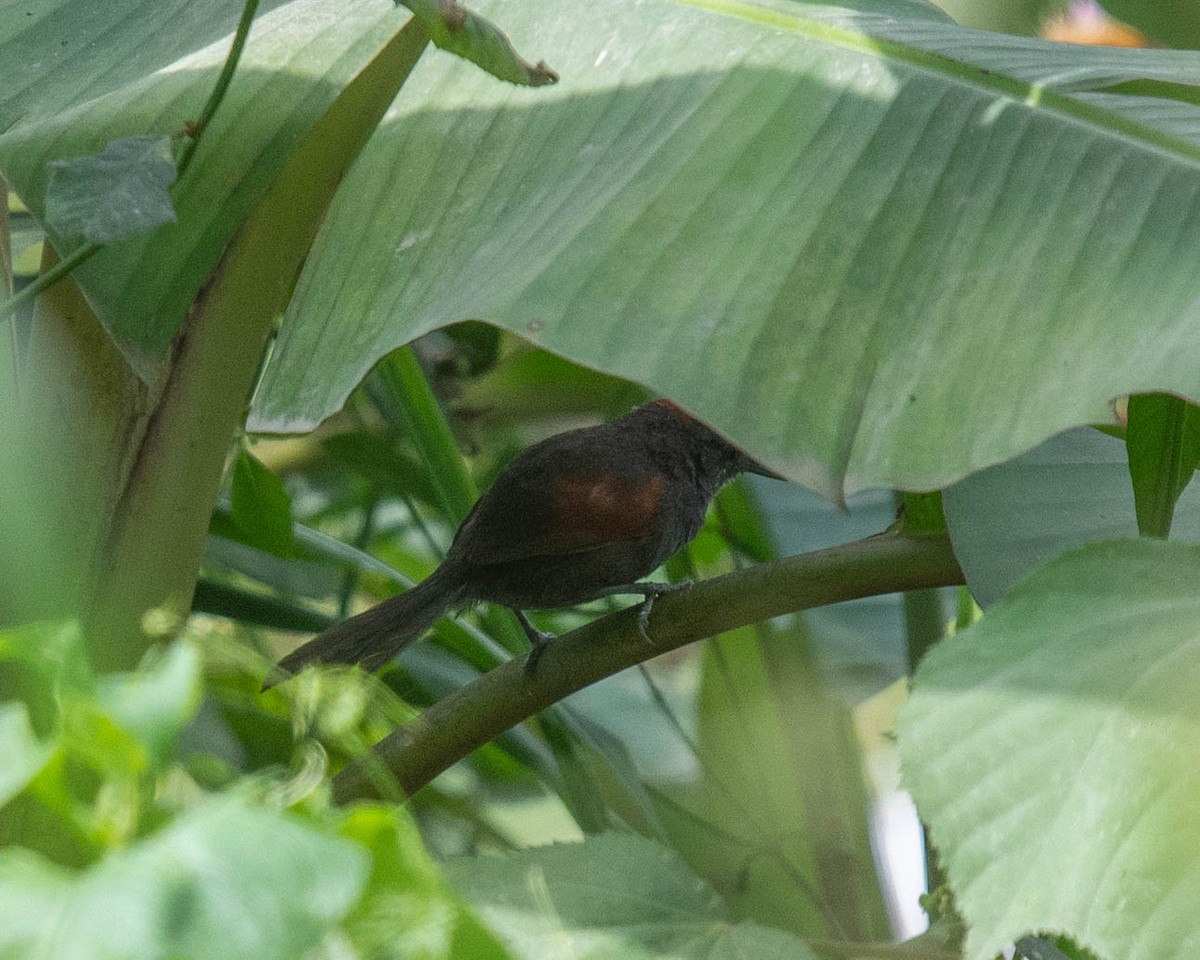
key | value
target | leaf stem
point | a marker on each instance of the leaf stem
(219, 88)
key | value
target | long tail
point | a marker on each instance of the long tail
(375, 636)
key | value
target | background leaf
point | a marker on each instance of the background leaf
(156, 703)
(1071, 490)
(22, 754)
(226, 881)
(611, 896)
(47, 65)
(765, 719)
(408, 910)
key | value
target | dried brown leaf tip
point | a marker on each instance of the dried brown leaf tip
(540, 74)
(453, 13)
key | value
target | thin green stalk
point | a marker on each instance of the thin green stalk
(365, 531)
(219, 88)
(48, 278)
(6, 270)
(435, 548)
(417, 415)
(6, 277)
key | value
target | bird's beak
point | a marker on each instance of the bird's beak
(750, 465)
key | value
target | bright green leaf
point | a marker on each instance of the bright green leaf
(261, 508)
(114, 195)
(1054, 750)
(923, 513)
(31, 890)
(1163, 438)
(51, 649)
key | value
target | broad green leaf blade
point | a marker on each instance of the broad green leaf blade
(868, 248)
(1054, 750)
(1071, 490)
(1163, 438)
(613, 896)
(223, 882)
(113, 195)
(47, 64)
(299, 57)
(261, 508)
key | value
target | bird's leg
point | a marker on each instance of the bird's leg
(648, 590)
(538, 640)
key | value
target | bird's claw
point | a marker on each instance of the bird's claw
(539, 640)
(644, 617)
(650, 591)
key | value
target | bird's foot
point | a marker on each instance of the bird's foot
(538, 641)
(649, 590)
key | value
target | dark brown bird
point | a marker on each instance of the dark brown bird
(580, 515)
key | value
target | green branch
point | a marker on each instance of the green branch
(470, 717)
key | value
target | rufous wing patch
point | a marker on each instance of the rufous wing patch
(596, 510)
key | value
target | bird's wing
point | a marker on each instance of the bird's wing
(552, 513)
